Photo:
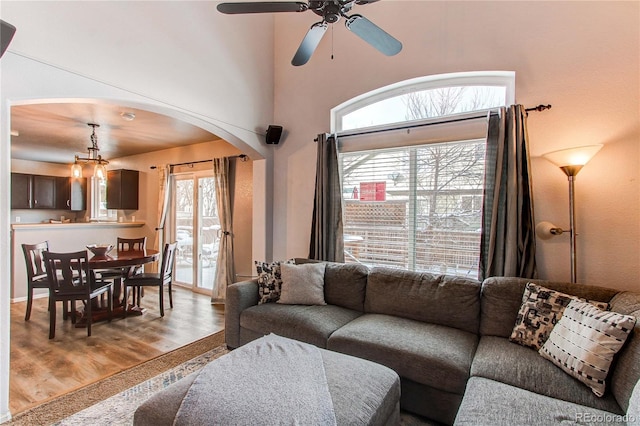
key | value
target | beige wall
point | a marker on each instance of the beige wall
(581, 57)
(242, 199)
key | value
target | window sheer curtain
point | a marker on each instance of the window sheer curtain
(508, 233)
(327, 240)
(224, 264)
(164, 195)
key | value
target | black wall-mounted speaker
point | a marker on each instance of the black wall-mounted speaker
(6, 34)
(273, 134)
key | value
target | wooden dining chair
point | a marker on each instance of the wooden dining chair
(160, 279)
(125, 244)
(71, 280)
(36, 272)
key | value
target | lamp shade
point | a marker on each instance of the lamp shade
(76, 170)
(100, 172)
(573, 156)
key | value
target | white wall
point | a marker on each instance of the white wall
(581, 57)
(179, 58)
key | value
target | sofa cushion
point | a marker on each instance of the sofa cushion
(302, 284)
(491, 403)
(584, 342)
(436, 299)
(311, 324)
(501, 298)
(431, 354)
(633, 410)
(626, 368)
(345, 285)
(540, 311)
(499, 359)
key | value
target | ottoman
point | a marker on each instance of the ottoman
(362, 392)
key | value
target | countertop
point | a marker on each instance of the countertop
(76, 225)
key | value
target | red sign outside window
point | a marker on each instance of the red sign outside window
(373, 191)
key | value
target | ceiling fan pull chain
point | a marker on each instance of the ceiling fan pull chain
(332, 42)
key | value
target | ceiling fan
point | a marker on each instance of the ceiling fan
(330, 11)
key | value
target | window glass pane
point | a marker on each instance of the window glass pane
(99, 209)
(209, 227)
(184, 230)
(414, 194)
(415, 207)
(438, 102)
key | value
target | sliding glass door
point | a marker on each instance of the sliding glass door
(195, 226)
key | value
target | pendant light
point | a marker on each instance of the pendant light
(99, 170)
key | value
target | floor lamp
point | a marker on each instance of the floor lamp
(570, 162)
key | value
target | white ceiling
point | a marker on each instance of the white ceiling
(57, 132)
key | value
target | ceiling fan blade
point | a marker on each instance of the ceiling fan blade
(309, 43)
(373, 34)
(6, 34)
(262, 7)
(365, 1)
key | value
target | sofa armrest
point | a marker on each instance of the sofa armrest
(240, 296)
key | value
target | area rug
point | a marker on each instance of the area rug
(113, 402)
(114, 392)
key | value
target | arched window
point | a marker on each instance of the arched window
(412, 162)
(429, 97)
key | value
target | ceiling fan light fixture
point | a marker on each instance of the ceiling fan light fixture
(331, 11)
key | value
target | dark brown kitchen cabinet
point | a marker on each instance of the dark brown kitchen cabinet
(71, 193)
(33, 191)
(44, 192)
(20, 191)
(122, 189)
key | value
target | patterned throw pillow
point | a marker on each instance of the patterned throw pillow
(269, 280)
(584, 342)
(540, 311)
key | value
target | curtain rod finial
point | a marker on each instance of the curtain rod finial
(539, 108)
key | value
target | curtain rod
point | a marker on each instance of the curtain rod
(242, 157)
(413, 126)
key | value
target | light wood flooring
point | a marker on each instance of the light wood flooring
(42, 369)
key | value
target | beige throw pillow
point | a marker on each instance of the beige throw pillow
(302, 284)
(584, 342)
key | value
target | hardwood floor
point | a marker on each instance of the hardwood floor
(42, 369)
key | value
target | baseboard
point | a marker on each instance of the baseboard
(5, 417)
(24, 298)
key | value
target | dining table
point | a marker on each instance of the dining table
(127, 260)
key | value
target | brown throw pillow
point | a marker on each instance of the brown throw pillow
(540, 311)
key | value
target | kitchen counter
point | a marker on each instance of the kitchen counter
(66, 237)
(75, 225)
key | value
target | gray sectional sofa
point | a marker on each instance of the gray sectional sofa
(447, 338)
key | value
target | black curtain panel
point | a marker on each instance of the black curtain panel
(508, 243)
(327, 241)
